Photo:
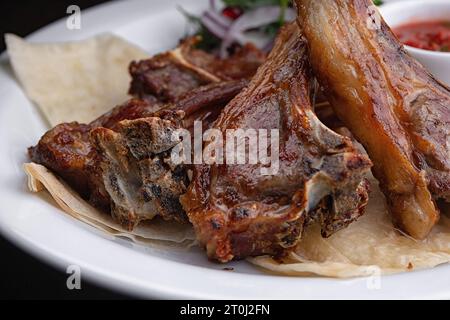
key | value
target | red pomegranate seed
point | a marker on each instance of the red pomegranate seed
(232, 12)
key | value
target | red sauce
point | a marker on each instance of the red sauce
(429, 35)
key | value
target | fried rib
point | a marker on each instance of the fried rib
(238, 212)
(66, 150)
(184, 79)
(167, 76)
(79, 152)
(399, 112)
(135, 157)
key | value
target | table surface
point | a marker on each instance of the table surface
(22, 276)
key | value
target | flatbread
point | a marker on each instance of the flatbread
(371, 245)
(40, 179)
(74, 81)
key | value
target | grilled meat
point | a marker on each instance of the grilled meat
(393, 106)
(135, 158)
(66, 150)
(237, 211)
(78, 155)
(185, 79)
(167, 76)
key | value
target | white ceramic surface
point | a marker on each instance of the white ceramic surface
(402, 12)
(37, 225)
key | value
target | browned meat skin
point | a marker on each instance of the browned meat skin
(389, 101)
(167, 76)
(242, 64)
(130, 110)
(236, 211)
(68, 151)
(206, 102)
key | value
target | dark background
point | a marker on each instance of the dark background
(22, 276)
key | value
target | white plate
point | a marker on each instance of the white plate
(34, 223)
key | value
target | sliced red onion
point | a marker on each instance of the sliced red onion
(219, 19)
(212, 5)
(216, 29)
(253, 19)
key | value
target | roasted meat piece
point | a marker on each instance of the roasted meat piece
(66, 150)
(175, 81)
(241, 210)
(135, 157)
(242, 64)
(80, 156)
(394, 107)
(167, 76)
(136, 168)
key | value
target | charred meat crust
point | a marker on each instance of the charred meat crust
(137, 170)
(77, 152)
(73, 152)
(169, 75)
(392, 105)
(236, 211)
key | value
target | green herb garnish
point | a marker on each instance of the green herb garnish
(378, 2)
(209, 41)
